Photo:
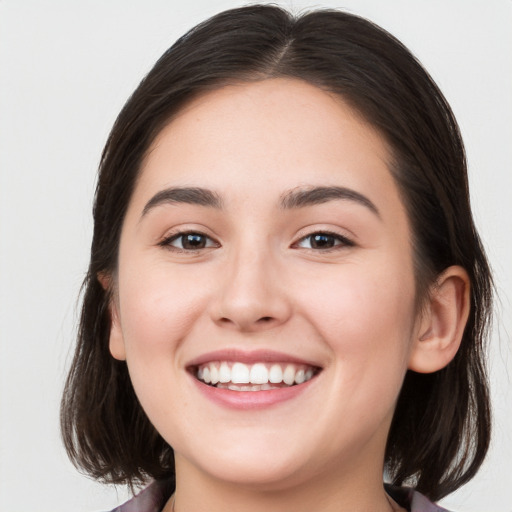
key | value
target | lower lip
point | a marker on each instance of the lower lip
(251, 399)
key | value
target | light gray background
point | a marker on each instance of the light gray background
(66, 68)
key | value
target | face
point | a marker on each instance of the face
(265, 291)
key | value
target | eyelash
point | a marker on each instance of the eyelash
(167, 242)
(340, 241)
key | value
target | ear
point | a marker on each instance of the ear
(116, 340)
(442, 322)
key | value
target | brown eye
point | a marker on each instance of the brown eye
(189, 241)
(193, 241)
(324, 241)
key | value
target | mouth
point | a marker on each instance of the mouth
(258, 376)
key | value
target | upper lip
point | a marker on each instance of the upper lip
(250, 357)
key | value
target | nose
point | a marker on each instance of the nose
(251, 296)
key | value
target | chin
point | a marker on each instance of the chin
(264, 474)
(266, 465)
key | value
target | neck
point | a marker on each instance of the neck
(327, 492)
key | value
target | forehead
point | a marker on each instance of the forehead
(265, 137)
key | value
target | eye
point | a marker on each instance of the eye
(324, 241)
(189, 241)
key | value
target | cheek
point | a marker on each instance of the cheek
(366, 313)
(158, 311)
(158, 308)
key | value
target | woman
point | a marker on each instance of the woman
(286, 294)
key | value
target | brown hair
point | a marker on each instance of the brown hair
(441, 427)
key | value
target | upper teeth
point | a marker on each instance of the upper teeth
(259, 373)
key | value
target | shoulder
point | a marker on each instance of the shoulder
(151, 499)
(412, 500)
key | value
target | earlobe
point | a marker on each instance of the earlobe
(116, 340)
(105, 280)
(442, 323)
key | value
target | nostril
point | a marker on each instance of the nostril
(247, 324)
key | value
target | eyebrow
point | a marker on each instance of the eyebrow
(187, 195)
(301, 197)
(296, 198)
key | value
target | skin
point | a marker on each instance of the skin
(260, 284)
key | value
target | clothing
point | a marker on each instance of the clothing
(412, 500)
(155, 496)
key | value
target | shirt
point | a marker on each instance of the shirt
(154, 497)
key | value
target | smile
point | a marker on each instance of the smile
(237, 376)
